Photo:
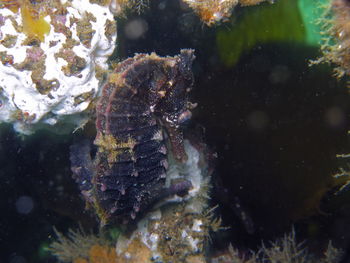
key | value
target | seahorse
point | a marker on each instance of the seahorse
(142, 107)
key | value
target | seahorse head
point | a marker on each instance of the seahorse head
(174, 107)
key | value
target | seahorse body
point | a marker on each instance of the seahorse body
(144, 102)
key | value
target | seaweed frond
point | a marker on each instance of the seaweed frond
(335, 37)
(214, 221)
(236, 256)
(332, 254)
(76, 244)
(135, 6)
(285, 250)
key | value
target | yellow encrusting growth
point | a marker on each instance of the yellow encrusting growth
(250, 2)
(112, 147)
(34, 26)
(33, 20)
(214, 11)
(99, 254)
(101, 2)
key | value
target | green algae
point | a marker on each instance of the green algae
(266, 23)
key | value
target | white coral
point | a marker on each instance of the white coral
(22, 103)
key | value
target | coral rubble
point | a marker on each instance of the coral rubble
(53, 55)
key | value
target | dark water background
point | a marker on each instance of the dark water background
(275, 123)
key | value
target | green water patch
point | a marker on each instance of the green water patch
(265, 23)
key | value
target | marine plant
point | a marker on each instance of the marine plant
(335, 44)
(77, 246)
(137, 6)
(282, 250)
(335, 49)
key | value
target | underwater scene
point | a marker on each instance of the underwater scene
(174, 131)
